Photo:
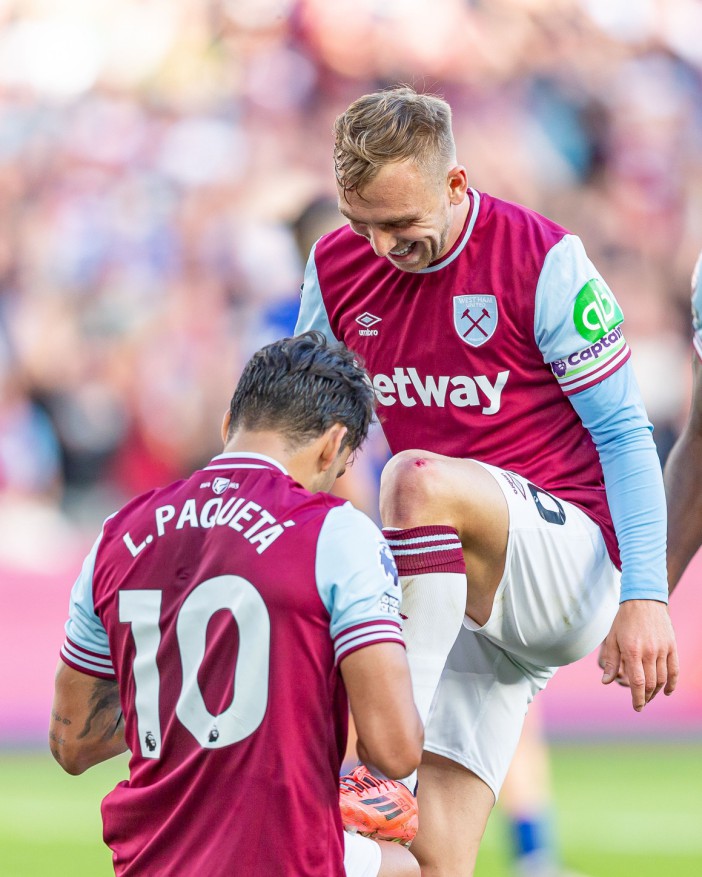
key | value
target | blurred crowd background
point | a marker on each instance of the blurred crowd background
(155, 154)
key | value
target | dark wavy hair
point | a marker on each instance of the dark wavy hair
(300, 387)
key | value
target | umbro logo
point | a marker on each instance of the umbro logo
(366, 319)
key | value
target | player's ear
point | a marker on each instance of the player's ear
(457, 181)
(331, 445)
(225, 425)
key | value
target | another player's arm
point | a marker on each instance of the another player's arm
(87, 725)
(683, 477)
(390, 732)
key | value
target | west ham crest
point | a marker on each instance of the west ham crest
(475, 318)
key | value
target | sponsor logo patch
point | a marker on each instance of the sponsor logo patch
(405, 386)
(595, 311)
(475, 318)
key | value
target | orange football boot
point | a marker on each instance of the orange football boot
(379, 808)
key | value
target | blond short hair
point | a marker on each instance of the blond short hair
(389, 126)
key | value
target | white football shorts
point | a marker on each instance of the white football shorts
(555, 603)
(361, 856)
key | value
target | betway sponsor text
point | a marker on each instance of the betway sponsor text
(409, 388)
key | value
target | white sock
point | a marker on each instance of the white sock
(434, 589)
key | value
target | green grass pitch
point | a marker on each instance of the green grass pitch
(622, 811)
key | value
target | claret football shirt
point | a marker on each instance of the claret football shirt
(223, 605)
(475, 355)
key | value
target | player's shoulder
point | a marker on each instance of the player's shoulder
(350, 534)
(340, 244)
(288, 498)
(352, 545)
(331, 518)
(141, 504)
(521, 220)
(318, 504)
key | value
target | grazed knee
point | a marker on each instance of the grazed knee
(411, 488)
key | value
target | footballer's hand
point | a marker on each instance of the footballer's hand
(641, 645)
(620, 678)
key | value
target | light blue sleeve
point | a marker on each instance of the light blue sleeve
(577, 320)
(83, 627)
(614, 414)
(577, 325)
(357, 581)
(313, 314)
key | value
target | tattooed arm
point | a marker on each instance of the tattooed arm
(86, 726)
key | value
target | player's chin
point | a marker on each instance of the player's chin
(413, 262)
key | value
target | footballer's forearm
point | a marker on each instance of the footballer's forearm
(87, 726)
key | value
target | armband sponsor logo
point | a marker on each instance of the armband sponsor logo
(409, 388)
(606, 346)
(595, 311)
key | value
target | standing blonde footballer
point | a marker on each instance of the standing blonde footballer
(524, 502)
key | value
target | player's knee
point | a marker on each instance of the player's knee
(410, 486)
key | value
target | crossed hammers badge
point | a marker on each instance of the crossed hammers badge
(475, 318)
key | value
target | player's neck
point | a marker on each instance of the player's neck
(302, 463)
(270, 444)
(458, 222)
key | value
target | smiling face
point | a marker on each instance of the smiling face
(408, 214)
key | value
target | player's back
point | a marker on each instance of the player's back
(234, 711)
